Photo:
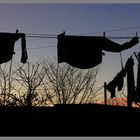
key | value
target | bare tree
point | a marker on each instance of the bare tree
(29, 79)
(68, 85)
(45, 84)
(6, 83)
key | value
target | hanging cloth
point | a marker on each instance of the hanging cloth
(137, 93)
(117, 82)
(24, 56)
(86, 51)
(7, 42)
(130, 81)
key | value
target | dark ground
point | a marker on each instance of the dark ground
(70, 120)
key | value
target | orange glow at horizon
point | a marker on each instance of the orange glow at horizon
(119, 102)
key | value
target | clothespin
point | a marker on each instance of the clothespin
(103, 34)
(63, 33)
(17, 31)
(136, 34)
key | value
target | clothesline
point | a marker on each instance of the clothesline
(40, 36)
(65, 53)
(114, 30)
(106, 31)
(47, 36)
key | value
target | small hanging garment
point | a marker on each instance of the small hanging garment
(117, 82)
(86, 51)
(137, 93)
(7, 42)
(130, 81)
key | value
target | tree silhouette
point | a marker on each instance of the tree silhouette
(68, 85)
(45, 84)
(6, 84)
(29, 79)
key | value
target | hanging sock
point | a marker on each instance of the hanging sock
(86, 51)
(7, 41)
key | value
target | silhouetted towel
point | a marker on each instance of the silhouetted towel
(7, 42)
(117, 82)
(130, 81)
(85, 51)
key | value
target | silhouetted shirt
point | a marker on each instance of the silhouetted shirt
(7, 42)
(86, 51)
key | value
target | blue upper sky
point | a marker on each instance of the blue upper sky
(74, 19)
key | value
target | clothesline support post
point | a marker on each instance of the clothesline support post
(105, 94)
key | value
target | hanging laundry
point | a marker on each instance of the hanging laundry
(117, 82)
(85, 51)
(130, 81)
(24, 56)
(137, 93)
(7, 41)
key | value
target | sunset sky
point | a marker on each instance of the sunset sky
(74, 19)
